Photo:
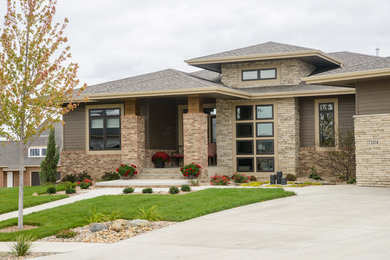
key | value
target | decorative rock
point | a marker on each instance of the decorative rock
(95, 227)
(140, 223)
(35, 194)
(120, 224)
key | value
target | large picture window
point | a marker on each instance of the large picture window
(104, 129)
(326, 124)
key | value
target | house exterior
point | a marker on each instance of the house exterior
(9, 159)
(256, 103)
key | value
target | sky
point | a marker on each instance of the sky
(122, 38)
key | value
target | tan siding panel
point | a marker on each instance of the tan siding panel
(74, 130)
(374, 97)
(306, 113)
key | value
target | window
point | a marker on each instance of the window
(255, 145)
(326, 124)
(37, 152)
(258, 74)
(104, 129)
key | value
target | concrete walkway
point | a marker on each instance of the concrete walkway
(88, 194)
(52, 247)
(142, 183)
(322, 222)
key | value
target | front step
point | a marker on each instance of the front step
(160, 173)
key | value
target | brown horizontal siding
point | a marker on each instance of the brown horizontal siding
(74, 130)
(306, 115)
(373, 97)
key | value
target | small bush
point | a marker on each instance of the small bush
(151, 214)
(66, 234)
(22, 246)
(313, 175)
(174, 190)
(127, 170)
(252, 178)
(191, 169)
(51, 190)
(185, 188)
(70, 190)
(69, 184)
(351, 181)
(109, 176)
(147, 190)
(84, 185)
(69, 178)
(291, 177)
(227, 177)
(82, 176)
(240, 178)
(219, 180)
(128, 190)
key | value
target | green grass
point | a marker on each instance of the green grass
(9, 197)
(171, 207)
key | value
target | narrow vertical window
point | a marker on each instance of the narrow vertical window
(104, 129)
(326, 124)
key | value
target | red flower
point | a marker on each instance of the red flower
(126, 174)
(78, 183)
(135, 172)
(117, 170)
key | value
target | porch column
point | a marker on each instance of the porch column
(133, 135)
(195, 134)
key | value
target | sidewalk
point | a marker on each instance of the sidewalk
(53, 247)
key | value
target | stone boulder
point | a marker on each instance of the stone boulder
(120, 224)
(140, 223)
(94, 227)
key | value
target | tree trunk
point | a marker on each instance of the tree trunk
(21, 178)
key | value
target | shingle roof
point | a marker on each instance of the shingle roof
(354, 62)
(168, 79)
(9, 151)
(263, 48)
(207, 75)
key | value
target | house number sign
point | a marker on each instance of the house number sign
(373, 142)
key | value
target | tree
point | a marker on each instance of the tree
(49, 164)
(36, 78)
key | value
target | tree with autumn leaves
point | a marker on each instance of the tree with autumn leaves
(36, 76)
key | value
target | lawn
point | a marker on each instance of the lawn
(171, 207)
(9, 197)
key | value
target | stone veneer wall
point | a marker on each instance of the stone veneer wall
(372, 139)
(309, 157)
(286, 132)
(133, 141)
(195, 140)
(289, 72)
(149, 154)
(288, 135)
(75, 162)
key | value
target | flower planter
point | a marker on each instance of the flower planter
(192, 177)
(159, 164)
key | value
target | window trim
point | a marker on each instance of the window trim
(258, 74)
(317, 123)
(40, 151)
(87, 130)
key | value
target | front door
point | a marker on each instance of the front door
(10, 179)
(35, 179)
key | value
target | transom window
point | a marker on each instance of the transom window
(37, 152)
(104, 129)
(326, 124)
(255, 138)
(258, 74)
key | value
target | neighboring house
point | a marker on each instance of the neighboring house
(9, 159)
(252, 102)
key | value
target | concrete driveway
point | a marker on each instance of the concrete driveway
(322, 222)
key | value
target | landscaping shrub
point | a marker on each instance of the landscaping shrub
(109, 176)
(51, 190)
(70, 190)
(194, 182)
(351, 181)
(252, 178)
(48, 165)
(240, 178)
(84, 185)
(174, 190)
(185, 188)
(100, 217)
(22, 246)
(66, 234)
(69, 178)
(313, 175)
(69, 184)
(161, 157)
(219, 180)
(151, 214)
(126, 170)
(191, 170)
(147, 190)
(128, 190)
(82, 176)
(291, 177)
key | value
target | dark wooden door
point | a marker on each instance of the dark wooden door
(35, 179)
